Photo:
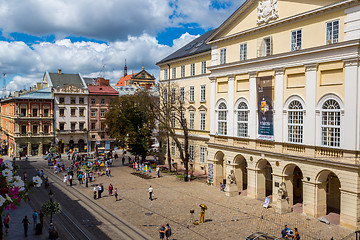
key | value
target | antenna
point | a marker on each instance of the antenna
(4, 85)
(102, 72)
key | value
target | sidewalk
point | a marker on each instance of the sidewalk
(16, 230)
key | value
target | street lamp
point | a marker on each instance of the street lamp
(51, 195)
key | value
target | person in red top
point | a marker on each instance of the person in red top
(110, 189)
(7, 220)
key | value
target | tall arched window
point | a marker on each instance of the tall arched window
(330, 123)
(222, 119)
(242, 120)
(295, 122)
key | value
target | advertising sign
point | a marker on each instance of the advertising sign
(265, 108)
(107, 145)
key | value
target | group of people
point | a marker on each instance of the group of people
(38, 222)
(145, 168)
(287, 233)
(99, 189)
(165, 232)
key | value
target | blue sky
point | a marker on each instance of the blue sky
(83, 36)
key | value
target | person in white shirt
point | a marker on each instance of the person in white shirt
(65, 179)
(95, 190)
(150, 193)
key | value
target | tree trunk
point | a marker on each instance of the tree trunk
(168, 152)
(186, 172)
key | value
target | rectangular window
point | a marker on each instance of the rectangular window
(46, 112)
(202, 121)
(102, 113)
(173, 148)
(73, 112)
(173, 71)
(202, 93)
(62, 126)
(35, 129)
(182, 94)
(34, 112)
(81, 112)
(93, 126)
(202, 154)
(165, 74)
(46, 129)
(73, 126)
(165, 95)
(223, 56)
(81, 126)
(267, 47)
(23, 129)
(93, 113)
(173, 95)
(182, 71)
(61, 100)
(191, 152)
(62, 112)
(191, 95)
(102, 101)
(332, 32)
(192, 69)
(243, 51)
(203, 67)
(191, 120)
(93, 101)
(23, 112)
(72, 100)
(296, 40)
(102, 126)
(81, 100)
(173, 120)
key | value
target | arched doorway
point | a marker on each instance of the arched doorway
(219, 168)
(293, 179)
(71, 144)
(81, 144)
(328, 193)
(241, 172)
(264, 182)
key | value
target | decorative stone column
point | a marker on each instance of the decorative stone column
(310, 116)
(320, 199)
(231, 96)
(40, 149)
(277, 180)
(253, 106)
(251, 188)
(348, 213)
(29, 149)
(212, 104)
(278, 104)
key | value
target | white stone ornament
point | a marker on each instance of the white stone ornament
(267, 10)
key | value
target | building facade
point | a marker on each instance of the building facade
(283, 103)
(71, 110)
(100, 97)
(27, 125)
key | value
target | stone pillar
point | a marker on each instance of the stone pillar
(231, 96)
(288, 180)
(239, 173)
(320, 199)
(29, 149)
(251, 188)
(310, 117)
(350, 128)
(253, 106)
(309, 198)
(218, 172)
(278, 104)
(348, 213)
(260, 187)
(212, 105)
(40, 149)
(278, 179)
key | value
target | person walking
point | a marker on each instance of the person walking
(70, 179)
(296, 235)
(158, 171)
(26, 223)
(123, 160)
(99, 191)
(110, 189)
(95, 191)
(7, 220)
(162, 232)
(65, 179)
(116, 194)
(150, 193)
(167, 231)
(41, 217)
(35, 217)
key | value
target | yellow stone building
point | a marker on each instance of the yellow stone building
(282, 103)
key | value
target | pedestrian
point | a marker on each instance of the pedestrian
(35, 217)
(150, 193)
(42, 174)
(99, 191)
(167, 231)
(162, 232)
(26, 157)
(86, 180)
(116, 194)
(41, 217)
(110, 189)
(65, 179)
(296, 235)
(53, 234)
(123, 160)
(109, 172)
(26, 223)
(70, 179)
(47, 183)
(7, 220)
(284, 232)
(95, 190)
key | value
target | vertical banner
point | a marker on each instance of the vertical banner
(210, 173)
(265, 108)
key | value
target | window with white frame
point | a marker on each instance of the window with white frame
(182, 71)
(330, 123)
(296, 39)
(222, 119)
(182, 94)
(192, 69)
(243, 51)
(332, 32)
(202, 154)
(173, 119)
(202, 120)
(192, 94)
(202, 93)
(242, 120)
(173, 95)
(166, 74)
(165, 95)
(191, 152)
(173, 71)
(173, 148)
(102, 113)
(295, 122)
(265, 47)
(191, 120)
(223, 56)
(203, 67)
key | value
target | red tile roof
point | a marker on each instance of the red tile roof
(102, 90)
(122, 80)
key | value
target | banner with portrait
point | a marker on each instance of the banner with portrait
(265, 108)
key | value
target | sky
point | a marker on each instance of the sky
(94, 38)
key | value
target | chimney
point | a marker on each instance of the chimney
(59, 71)
(38, 85)
(16, 93)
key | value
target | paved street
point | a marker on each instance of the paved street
(226, 217)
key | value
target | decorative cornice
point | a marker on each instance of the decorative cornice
(351, 62)
(231, 77)
(311, 67)
(279, 71)
(252, 74)
(212, 79)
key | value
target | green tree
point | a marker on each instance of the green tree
(130, 121)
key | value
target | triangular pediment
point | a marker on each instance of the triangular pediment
(254, 14)
(143, 75)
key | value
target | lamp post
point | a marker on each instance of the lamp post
(51, 195)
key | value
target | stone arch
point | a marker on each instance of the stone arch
(328, 195)
(293, 176)
(241, 172)
(219, 168)
(264, 179)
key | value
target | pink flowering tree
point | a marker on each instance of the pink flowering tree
(13, 189)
